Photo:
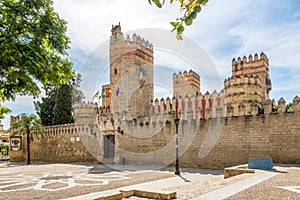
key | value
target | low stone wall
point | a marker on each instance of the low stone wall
(60, 144)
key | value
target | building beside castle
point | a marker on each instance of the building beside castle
(217, 129)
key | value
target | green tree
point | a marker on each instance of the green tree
(190, 10)
(63, 106)
(3, 110)
(33, 46)
(28, 125)
(3, 150)
(45, 108)
(77, 94)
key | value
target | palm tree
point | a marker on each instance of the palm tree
(29, 125)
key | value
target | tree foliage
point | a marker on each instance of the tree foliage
(33, 46)
(63, 106)
(30, 126)
(45, 108)
(3, 149)
(190, 10)
(77, 94)
(3, 110)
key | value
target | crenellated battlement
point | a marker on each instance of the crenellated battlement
(241, 81)
(104, 110)
(186, 83)
(63, 129)
(186, 74)
(134, 40)
(85, 105)
(201, 107)
(131, 40)
(106, 86)
(193, 107)
(252, 66)
(86, 113)
(250, 59)
(135, 44)
(196, 109)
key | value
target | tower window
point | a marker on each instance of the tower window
(236, 67)
(116, 71)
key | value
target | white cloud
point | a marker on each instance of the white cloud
(224, 29)
(89, 22)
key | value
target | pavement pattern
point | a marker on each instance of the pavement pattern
(87, 181)
(57, 181)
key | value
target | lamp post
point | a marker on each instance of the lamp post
(177, 172)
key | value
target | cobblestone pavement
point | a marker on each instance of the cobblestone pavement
(285, 185)
(56, 181)
(84, 181)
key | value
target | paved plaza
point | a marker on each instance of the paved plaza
(89, 181)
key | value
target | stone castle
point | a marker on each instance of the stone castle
(216, 130)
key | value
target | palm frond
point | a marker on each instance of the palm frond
(28, 124)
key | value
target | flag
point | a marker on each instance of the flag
(108, 92)
(103, 93)
(96, 95)
(117, 92)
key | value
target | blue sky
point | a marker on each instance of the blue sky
(225, 29)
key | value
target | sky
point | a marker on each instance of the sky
(225, 29)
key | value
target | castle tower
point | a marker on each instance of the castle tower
(186, 84)
(131, 73)
(85, 113)
(242, 94)
(257, 66)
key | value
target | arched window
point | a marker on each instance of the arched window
(116, 71)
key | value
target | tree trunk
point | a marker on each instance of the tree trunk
(28, 148)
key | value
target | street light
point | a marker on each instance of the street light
(177, 172)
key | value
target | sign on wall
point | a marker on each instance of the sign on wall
(15, 143)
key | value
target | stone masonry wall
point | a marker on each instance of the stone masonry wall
(213, 142)
(61, 144)
(276, 136)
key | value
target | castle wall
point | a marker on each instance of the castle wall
(60, 144)
(212, 142)
(243, 137)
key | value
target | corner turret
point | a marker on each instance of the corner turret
(259, 66)
(186, 84)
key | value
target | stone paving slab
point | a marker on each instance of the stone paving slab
(56, 181)
(85, 181)
(285, 185)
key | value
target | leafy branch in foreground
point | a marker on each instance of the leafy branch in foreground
(190, 10)
(33, 49)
